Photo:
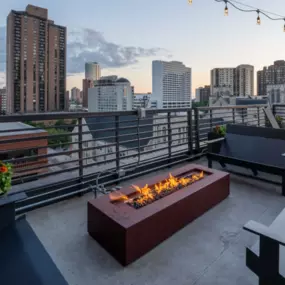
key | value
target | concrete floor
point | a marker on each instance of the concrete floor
(211, 250)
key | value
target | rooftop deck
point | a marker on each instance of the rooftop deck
(211, 250)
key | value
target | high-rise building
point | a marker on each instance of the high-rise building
(92, 70)
(110, 94)
(36, 62)
(171, 84)
(92, 73)
(75, 94)
(67, 100)
(276, 93)
(203, 93)
(237, 81)
(86, 84)
(271, 75)
(244, 81)
(222, 81)
(3, 100)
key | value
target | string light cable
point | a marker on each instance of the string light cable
(249, 9)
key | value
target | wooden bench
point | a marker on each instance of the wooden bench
(256, 148)
(267, 257)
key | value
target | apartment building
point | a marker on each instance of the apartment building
(36, 62)
(75, 94)
(276, 93)
(3, 100)
(171, 84)
(237, 81)
(24, 149)
(92, 73)
(222, 81)
(203, 93)
(244, 80)
(271, 75)
(110, 93)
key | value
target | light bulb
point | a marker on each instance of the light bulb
(190, 1)
(226, 10)
(258, 18)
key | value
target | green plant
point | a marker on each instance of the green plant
(63, 140)
(220, 130)
(279, 120)
(5, 177)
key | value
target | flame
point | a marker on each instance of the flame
(148, 194)
(118, 196)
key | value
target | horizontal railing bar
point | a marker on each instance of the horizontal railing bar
(234, 107)
(111, 182)
(87, 188)
(38, 157)
(43, 175)
(26, 169)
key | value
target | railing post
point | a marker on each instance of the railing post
(80, 149)
(169, 135)
(197, 130)
(117, 143)
(234, 115)
(274, 109)
(190, 137)
(258, 117)
(242, 115)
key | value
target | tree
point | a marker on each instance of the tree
(200, 104)
(59, 122)
(62, 141)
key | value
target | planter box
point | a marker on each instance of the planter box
(7, 209)
(215, 147)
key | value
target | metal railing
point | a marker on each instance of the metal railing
(75, 152)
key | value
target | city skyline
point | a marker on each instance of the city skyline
(198, 35)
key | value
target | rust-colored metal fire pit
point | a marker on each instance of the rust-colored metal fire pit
(127, 232)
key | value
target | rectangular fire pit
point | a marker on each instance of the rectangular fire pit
(133, 222)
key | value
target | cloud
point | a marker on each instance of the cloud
(90, 45)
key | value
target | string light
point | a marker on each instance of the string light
(249, 9)
(258, 18)
(226, 9)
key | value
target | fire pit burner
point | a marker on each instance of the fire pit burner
(148, 194)
(128, 233)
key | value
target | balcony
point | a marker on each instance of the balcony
(110, 149)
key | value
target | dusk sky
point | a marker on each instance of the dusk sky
(125, 36)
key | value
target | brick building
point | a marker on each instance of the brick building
(10, 149)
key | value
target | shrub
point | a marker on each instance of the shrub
(5, 177)
(220, 130)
